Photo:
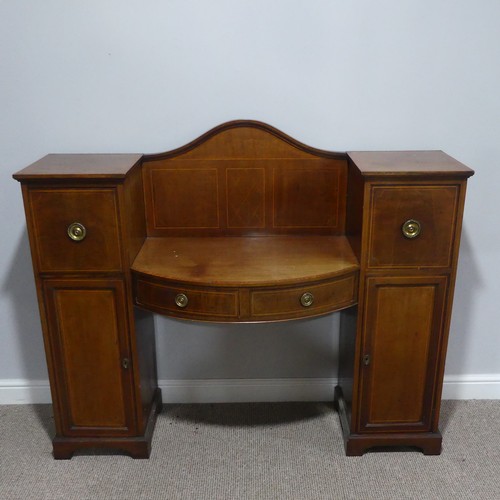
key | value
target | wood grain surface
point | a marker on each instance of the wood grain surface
(245, 261)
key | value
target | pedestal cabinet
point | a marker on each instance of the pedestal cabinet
(245, 224)
(84, 233)
(405, 224)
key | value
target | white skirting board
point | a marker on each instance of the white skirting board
(21, 391)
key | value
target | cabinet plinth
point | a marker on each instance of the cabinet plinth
(244, 224)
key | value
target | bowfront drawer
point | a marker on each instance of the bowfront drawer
(187, 302)
(412, 225)
(75, 229)
(303, 301)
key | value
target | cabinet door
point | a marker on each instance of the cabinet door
(88, 338)
(403, 330)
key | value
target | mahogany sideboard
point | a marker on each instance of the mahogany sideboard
(245, 224)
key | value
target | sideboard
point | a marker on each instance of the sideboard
(245, 224)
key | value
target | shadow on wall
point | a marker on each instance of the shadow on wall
(467, 286)
(20, 287)
(290, 349)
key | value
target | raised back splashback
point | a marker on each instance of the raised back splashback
(245, 178)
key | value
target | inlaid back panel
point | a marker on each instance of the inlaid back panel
(245, 180)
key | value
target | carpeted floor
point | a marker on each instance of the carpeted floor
(254, 451)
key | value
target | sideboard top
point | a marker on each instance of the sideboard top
(394, 163)
(81, 166)
(239, 140)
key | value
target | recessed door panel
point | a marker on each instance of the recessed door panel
(401, 339)
(89, 342)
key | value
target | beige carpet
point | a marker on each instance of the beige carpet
(254, 451)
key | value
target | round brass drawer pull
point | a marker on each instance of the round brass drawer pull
(411, 228)
(307, 299)
(181, 300)
(77, 231)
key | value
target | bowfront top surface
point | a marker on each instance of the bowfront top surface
(245, 261)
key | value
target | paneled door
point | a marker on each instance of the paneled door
(91, 355)
(401, 342)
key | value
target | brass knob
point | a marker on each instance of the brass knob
(77, 231)
(181, 300)
(307, 299)
(411, 228)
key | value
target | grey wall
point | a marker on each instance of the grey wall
(131, 76)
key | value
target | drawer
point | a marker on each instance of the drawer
(303, 301)
(187, 302)
(430, 211)
(52, 213)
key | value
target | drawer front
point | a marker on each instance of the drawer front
(52, 213)
(187, 302)
(303, 301)
(430, 214)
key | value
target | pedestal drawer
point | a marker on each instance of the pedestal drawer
(76, 229)
(412, 225)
